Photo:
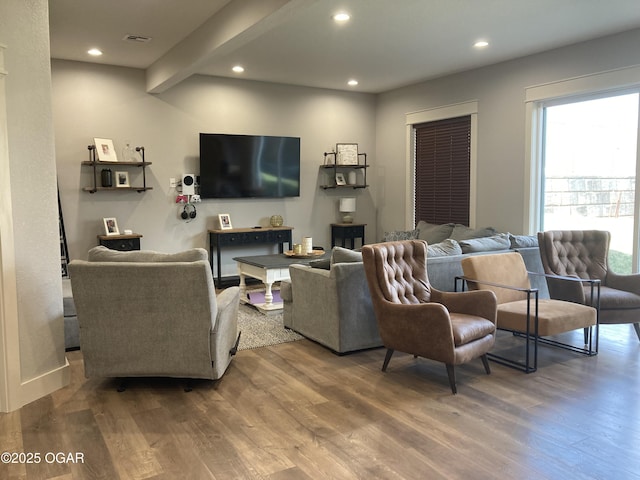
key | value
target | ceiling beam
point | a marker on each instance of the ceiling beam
(236, 24)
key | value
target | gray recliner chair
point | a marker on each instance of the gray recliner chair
(148, 314)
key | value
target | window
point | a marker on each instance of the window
(582, 139)
(442, 170)
(468, 110)
(589, 170)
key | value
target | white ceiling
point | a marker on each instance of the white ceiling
(387, 43)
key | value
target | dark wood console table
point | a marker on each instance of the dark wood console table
(124, 243)
(347, 231)
(218, 239)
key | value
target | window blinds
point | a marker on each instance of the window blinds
(442, 173)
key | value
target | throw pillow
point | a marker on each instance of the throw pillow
(104, 254)
(432, 232)
(400, 235)
(324, 264)
(523, 241)
(444, 248)
(462, 232)
(344, 255)
(486, 244)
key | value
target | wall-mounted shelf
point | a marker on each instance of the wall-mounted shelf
(332, 170)
(95, 163)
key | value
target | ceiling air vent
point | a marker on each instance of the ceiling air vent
(136, 38)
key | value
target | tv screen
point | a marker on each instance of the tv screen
(249, 166)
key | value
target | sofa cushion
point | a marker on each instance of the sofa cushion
(344, 255)
(523, 241)
(462, 232)
(104, 254)
(400, 235)
(444, 248)
(486, 244)
(434, 233)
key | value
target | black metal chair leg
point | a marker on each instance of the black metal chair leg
(485, 362)
(452, 378)
(637, 328)
(586, 335)
(234, 349)
(386, 359)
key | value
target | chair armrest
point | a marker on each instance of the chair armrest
(570, 288)
(499, 285)
(430, 314)
(628, 283)
(481, 303)
(227, 297)
(226, 301)
(423, 329)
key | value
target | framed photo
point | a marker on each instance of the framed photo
(340, 179)
(122, 179)
(110, 226)
(225, 221)
(346, 154)
(106, 152)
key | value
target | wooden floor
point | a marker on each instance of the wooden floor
(297, 411)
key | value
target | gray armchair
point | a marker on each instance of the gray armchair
(584, 254)
(148, 314)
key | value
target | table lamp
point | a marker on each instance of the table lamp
(347, 207)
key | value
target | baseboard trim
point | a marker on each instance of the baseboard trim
(46, 383)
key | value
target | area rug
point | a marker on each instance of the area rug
(259, 330)
(257, 296)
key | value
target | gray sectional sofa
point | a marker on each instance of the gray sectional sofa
(329, 301)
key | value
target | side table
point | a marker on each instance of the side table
(124, 243)
(347, 231)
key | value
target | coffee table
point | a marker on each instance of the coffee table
(269, 269)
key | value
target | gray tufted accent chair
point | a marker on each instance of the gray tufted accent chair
(583, 254)
(415, 318)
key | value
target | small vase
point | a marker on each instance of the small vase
(276, 220)
(129, 154)
(106, 178)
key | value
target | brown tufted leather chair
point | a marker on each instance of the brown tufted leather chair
(583, 254)
(415, 318)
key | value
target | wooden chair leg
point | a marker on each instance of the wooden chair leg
(452, 378)
(637, 327)
(485, 362)
(386, 359)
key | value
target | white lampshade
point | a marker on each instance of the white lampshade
(348, 204)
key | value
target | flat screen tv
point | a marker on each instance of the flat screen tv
(249, 166)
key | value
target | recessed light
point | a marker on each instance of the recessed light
(481, 44)
(342, 17)
(238, 69)
(95, 52)
(352, 82)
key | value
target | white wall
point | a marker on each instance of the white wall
(110, 102)
(499, 90)
(28, 155)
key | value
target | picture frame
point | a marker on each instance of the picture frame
(225, 221)
(340, 180)
(110, 226)
(346, 154)
(105, 149)
(122, 180)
